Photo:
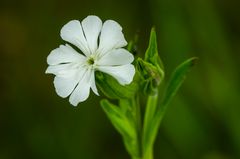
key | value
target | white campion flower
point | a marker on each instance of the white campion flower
(101, 47)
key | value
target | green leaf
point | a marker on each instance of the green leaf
(122, 124)
(153, 120)
(177, 79)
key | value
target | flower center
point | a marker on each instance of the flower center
(90, 61)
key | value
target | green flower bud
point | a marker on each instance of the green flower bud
(150, 76)
(151, 68)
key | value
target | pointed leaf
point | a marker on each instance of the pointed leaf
(174, 84)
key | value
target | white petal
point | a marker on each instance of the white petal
(65, 85)
(92, 26)
(124, 74)
(82, 91)
(64, 54)
(60, 70)
(111, 37)
(72, 33)
(116, 57)
(93, 84)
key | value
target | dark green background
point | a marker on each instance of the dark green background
(203, 121)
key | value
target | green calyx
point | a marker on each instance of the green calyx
(150, 76)
(112, 89)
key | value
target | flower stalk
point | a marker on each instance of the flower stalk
(139, 141)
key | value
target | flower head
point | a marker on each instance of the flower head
(100, 48)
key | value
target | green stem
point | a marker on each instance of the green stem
(132, 105)
(138, 122)
(147, 145)
(144, 146)
(145, 152)
(148, 154)
(133, 157)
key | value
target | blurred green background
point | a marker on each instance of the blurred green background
(203, 121)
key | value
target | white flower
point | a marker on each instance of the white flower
(101, 47)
